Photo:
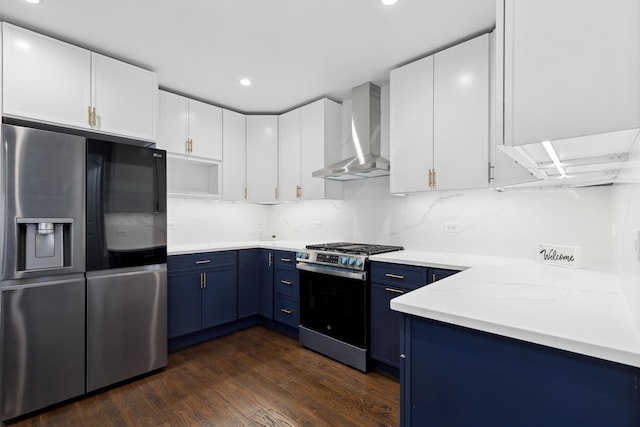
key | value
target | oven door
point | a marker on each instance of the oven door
(335, 306)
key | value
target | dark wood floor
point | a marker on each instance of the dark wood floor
(256, 377)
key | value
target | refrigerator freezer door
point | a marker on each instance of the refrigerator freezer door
(126, 324)
(43, 344)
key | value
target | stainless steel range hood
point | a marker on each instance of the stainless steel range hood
(365, 133)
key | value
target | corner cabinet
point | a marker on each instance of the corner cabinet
(306, 136)
(387, 282)
(439, 125)
(234, 175)
(570, 69)
(50, 81)
(262, 159)
(202, 291)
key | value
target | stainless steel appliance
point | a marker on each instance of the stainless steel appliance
(334, 299)
(126, 262)
(42, 188)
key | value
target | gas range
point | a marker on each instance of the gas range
(340, 258)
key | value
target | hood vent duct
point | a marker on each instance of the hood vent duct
(365, 133)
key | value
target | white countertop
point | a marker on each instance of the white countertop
(579, 310)
(230, 246)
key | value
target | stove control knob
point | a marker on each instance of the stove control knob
(352, 261)
(358, 262)
(342, 260)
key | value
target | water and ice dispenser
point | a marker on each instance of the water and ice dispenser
(44, 243)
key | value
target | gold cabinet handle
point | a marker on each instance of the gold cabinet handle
(245, 193)
(89, 115)
(434, 178)
(298, 191)
(276, 192)
(286, 282)
(93, 117)
(285, 311)
(395, 291)
(394, 276)
(430, 178)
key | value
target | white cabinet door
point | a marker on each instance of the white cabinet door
(461, 115)
(173, 115)
(320, 123)
(45, 79)
(571, 68)
(289, 156)
(205, 130)
(125, 98)
(234, 152)
(411, 126)
(262, 158)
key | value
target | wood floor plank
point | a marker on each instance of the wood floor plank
(255, 377)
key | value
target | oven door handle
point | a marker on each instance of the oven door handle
(357, 275)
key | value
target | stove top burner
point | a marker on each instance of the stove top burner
(355, 248)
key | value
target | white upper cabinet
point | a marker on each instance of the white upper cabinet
(289, 156)
(570, 68)
(439, 125)
(124, 98)
(45, 79)
(461, 116)
(234, 152)
(189, 127)
(411, 127)
(50, 81)
(306, 136)
(262, 158)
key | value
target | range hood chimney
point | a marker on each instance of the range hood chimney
(365, 133)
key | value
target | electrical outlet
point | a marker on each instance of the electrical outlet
(452, 227)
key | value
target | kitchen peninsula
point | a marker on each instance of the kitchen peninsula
(515, 342)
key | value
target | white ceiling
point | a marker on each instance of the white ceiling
(294, 51)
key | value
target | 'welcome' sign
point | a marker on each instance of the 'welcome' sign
(563, 256)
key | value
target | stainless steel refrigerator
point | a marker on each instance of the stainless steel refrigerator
(43, 264)
(83, 252)
(126, 262)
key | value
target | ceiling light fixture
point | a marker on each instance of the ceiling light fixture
(554, 157)
(388, 2)
(245, 82)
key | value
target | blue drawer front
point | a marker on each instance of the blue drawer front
(399, 275)
(287, 282)
(287, 310)
(201, 260)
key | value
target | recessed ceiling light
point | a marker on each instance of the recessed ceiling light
(388, 2)
(245, 82)
(33, 1)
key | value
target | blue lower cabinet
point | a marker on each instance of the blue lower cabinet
(287, 310)
(202, 291)
(458, 377)
(385, 324)
(286, 289)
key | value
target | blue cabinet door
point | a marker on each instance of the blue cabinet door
(219, 296)
(183, 293)
(458, 377)
(266, 288)
(249, 282)
(385, 324)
